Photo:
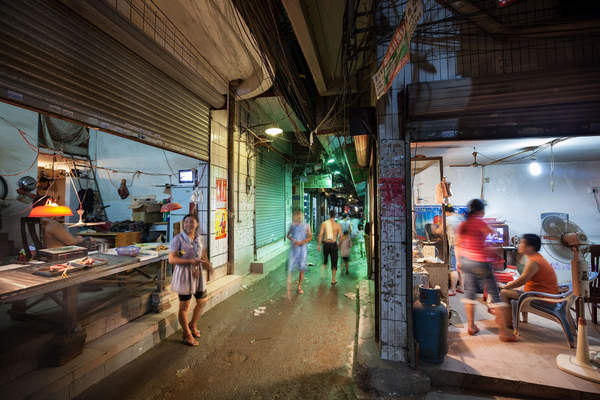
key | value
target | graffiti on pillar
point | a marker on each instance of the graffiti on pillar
(393, 192)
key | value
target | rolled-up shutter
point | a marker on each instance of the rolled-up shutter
(55, 61)
(269, 198)
(547, 104)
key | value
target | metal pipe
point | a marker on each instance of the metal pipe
(231, 175)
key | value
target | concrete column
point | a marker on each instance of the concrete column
(393, 169)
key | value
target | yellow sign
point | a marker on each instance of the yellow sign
(220, 223)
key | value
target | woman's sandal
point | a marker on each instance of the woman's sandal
(194, 331)
(474, 331)
(300, 291)
(190, 341)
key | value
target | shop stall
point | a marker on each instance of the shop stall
(542, 186)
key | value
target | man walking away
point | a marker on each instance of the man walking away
(328, 235)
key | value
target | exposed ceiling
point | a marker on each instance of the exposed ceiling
(319, 29)
(215, 28)
(266, 111)
(459, 152)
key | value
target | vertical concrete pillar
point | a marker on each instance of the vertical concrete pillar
(393, 170)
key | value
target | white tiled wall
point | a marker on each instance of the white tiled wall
(244, 221)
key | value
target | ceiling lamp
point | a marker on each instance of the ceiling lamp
(50, 209)
(534, 167)
(273, 131)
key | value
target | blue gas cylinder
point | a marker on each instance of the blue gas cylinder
(430, 325)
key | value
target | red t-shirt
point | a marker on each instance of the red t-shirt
(472, 239)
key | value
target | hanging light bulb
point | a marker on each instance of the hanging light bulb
(273, 130)
(534, 167)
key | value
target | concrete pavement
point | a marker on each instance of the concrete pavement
(299, 348)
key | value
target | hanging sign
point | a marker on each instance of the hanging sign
(221, 195)
(398, 52)
(318, 182)
(396, 57)
(221, 223)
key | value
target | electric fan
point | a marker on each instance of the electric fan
(563, 239)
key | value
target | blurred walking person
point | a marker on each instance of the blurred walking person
(328, 235)
(473, 261)
(300, 235)
(346, 249)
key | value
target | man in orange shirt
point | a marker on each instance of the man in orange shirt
(538, 275)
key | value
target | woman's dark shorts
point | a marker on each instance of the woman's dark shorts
(197, 295)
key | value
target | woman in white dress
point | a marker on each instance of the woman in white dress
(188, 253)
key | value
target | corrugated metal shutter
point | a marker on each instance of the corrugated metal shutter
(269, 198)
(553, 103)
(55, 61)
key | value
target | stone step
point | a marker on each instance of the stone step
(110, 352)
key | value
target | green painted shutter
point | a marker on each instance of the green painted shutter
(269, 198)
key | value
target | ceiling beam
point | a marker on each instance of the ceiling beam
(299, 21)
(473, 13)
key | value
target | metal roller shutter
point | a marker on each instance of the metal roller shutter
(547, 104)
(269, 198)
(55, 61)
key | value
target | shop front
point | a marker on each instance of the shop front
(103, 155)
(536, 169)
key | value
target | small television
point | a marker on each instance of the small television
(187, 176)
(499, 236)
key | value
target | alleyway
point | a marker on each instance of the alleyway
(301, 348)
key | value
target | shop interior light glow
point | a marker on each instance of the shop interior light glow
(534, 168)
(50, 209)
(273, 130)
(331, 161)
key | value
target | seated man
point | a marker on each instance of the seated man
(538, 275)
(57, 235)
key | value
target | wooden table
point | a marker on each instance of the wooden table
(118, 239)
(19, 285)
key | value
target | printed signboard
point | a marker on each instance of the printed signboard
(221, 223)
(318, 181)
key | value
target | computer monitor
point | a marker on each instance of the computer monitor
(186, 176)
(499, 236)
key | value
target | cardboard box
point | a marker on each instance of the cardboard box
(146, 212)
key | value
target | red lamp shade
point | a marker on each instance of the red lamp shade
(170, 207)
(50, 209)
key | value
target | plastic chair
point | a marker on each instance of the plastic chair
(555, 307)
(594, 284)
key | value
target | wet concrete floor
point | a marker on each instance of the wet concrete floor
(300, 348)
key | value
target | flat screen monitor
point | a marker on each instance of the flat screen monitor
(499, 235)
(186, 176)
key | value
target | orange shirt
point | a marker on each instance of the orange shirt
(544, 279)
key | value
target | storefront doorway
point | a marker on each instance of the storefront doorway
(527, 184)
